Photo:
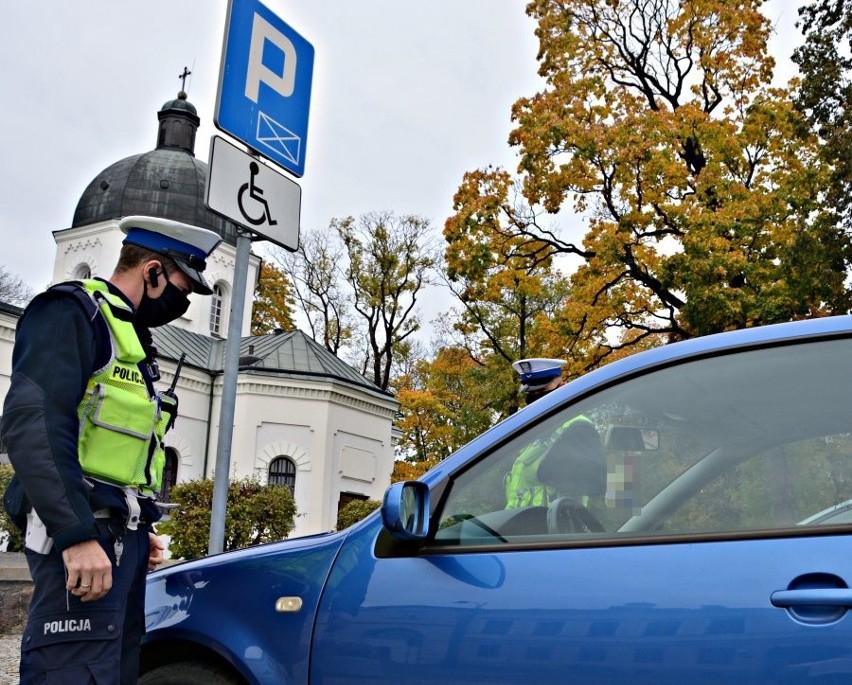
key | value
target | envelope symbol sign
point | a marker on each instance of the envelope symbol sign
(278, 138)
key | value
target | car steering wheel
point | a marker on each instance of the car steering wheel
(566, 515)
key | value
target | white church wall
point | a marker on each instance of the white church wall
(189, 435)
(95, 246)
(359, 453)
(359, 468)
(7, 341)
(362, 448)
(275, 420)
(315, 424)
(220, 268)
(296, 443)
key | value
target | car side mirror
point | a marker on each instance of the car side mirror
(405, 510)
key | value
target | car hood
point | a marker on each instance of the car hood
(259, 600)
(238, 555)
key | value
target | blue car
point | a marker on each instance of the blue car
(689, 525)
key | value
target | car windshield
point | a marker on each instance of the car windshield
(740, 441)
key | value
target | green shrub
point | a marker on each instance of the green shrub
(355, 511)
(255, 513)
(9, 532)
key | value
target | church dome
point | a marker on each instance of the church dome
(167, 182)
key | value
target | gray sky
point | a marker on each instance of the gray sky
(407, 96)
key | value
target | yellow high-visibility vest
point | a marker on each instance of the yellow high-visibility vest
(121, 423)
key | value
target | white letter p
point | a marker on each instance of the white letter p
(261, 31)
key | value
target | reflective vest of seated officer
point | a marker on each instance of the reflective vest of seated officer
(121, 423)
(523, 488)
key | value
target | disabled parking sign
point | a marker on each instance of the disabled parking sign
(257, 196)
(265, 84)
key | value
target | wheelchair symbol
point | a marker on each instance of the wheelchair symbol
(255, 194)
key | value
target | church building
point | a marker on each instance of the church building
(304, 419)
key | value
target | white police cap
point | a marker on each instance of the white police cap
(537, 373)
(189, 246)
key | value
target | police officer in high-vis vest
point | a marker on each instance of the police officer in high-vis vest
(83, 425)
(523, 488)
(562, 471)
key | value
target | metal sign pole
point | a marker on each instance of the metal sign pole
(273, 122)
(229, 396)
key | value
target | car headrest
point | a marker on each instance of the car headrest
(575, 463)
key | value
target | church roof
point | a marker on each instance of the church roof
(293, 355)
(167, 182)
(8, 308)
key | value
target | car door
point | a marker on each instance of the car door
(694, 542)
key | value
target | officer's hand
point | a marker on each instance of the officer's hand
(89, 570)
(156, 556)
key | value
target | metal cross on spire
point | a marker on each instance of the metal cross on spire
(182, 77)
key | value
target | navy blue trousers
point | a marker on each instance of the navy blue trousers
(69, 642)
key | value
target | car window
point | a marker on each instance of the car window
(756, 440)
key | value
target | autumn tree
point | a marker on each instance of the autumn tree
(320, 289)
(410, 470)
(359, 285)
(697, 185)
(507, 283)
(13, 290)
(445, 402)
(825, 94)
(273, 301)
(390, 261)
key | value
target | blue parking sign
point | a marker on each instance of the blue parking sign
(265, 84)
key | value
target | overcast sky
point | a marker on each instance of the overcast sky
(407, 96)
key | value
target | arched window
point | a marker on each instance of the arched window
(82, 272)
(169, 474)
(282, 471)
(217, 304)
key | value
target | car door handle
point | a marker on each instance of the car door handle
(834, 597)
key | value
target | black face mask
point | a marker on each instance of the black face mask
(172, 304)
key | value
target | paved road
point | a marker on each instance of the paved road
(12, 567)
(9, 652)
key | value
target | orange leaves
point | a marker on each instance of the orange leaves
(700, 194)
(407, 470)
(444, 403)
(273, 301)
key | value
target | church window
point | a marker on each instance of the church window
(217, 303)
(282, 471)
(170, 470)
